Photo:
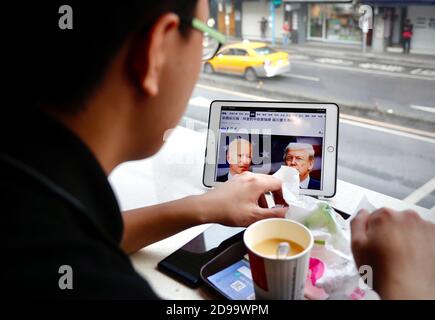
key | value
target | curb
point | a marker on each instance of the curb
(368, 57)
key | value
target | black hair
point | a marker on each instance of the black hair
(61, 68)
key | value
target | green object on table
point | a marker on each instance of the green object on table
(322, 217)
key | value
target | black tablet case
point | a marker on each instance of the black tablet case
(204, 258)
(224, 259)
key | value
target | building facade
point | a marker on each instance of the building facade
(334, 21)
(329, 21)
(227, 17)
(389, 20)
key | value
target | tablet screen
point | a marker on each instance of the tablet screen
(261, 140)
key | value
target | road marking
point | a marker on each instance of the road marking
(389, 126)
(382, 67)
(386, 130)
(200, 101)
(245, 95)
(369, 71)
(352, 120)
(421, 192)
(423, 108)
(424, 72)
(298, 57)
(335, 61)
(192, 120)
(299, 76)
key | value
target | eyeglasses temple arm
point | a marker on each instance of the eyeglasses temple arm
(197, 24)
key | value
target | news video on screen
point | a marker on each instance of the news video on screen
(261, 140)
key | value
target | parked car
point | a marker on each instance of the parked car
(250, 59)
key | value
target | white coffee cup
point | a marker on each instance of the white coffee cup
(278, 278)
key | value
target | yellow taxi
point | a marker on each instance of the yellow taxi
(250, 59)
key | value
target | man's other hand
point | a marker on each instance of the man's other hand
(399, 246)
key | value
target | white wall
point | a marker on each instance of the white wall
(252, 12)
(423, 40)
(396, 26)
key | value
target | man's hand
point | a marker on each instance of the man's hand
(240, 201)
(399, 246)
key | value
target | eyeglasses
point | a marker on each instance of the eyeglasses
(212, 41)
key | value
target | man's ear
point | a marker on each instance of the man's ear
(311, 160)
(150, 53)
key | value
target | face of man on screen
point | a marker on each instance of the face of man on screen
(301, 160)
(239, 156)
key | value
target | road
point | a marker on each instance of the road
(392, 162)
(392, 88)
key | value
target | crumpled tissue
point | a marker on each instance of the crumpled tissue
(333, 272)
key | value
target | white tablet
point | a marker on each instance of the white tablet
(262, 136)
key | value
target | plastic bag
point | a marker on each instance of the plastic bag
(332, 272)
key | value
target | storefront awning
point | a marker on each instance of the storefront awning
(398, 2)
(319, 1)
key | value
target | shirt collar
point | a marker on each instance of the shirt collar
(230, 176)
(304, 184)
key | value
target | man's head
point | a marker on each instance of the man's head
(239, 156)
(301, 157)
(134, 63)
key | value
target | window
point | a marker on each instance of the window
(316, 21)
(226, 52)
(385, 94)
(334, 23)
(264, 50)
(240, 52)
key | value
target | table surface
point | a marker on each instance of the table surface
(175, 172)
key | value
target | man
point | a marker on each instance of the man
(263, 27)
(104, 93)
(301, 157)
(85, 100)
(285, 33)
(239, 157)
(407, 36)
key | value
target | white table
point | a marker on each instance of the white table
(175, 172)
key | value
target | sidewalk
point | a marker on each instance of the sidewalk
(354, 52)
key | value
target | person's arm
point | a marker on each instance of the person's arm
(235, 203)
(399, 247)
